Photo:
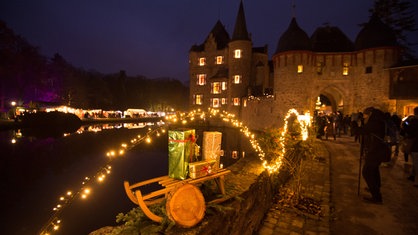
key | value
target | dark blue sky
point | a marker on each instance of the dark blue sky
(153, 37)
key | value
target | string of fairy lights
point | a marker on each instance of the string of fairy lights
(54, 223)
(65, 200)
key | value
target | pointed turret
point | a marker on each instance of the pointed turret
(240, 30)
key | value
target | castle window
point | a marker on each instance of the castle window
(223, 101)
(345, 69)
(237, 79)
(369, 69)
(219, 60)
(224, 86)
(319, 67)
(237, 53)
(236, 101)
(201, 79)
(216, 88)
(202, 61)
(215, 103)
(300, 68)
(198, 99)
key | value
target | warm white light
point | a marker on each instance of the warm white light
(100, 178)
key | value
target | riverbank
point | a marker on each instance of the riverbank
(9, 124)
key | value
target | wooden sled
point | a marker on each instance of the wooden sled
(185, 202)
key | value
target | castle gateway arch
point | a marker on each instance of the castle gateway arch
(330, 98)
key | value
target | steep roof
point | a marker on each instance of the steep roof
(375, 34)
(240, 30)
(294, 38)
(330, 39)
(220, 35)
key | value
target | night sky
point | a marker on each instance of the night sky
(153, 37)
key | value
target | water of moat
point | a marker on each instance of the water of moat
(37, 169)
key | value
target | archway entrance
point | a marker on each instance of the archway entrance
(329, 100)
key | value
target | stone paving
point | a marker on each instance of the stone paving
(315, 184)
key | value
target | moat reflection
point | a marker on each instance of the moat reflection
(37, 170)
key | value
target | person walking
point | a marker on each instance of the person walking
(373, 134)
(357, 125)
(411, 134)
(397, 121)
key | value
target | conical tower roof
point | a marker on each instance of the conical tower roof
(240, 30)
(375, 34)
(294, 38)
(330, 39)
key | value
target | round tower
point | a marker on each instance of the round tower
(376, 50)
(239, 60)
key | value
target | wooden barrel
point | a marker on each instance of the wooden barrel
(186, 205)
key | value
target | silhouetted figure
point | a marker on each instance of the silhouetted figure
(373, 133)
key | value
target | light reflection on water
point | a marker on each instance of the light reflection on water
(39, 170)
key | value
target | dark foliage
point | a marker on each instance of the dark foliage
(29, 77)
(399, 15)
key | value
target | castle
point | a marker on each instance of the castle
(325, 72)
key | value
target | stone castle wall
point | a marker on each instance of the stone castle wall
(366, 84)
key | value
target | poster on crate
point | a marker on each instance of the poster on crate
(211, 146)
(181, 147)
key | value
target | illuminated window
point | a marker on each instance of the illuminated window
(198, 99)
(237, 53)
(202, 61)
(216, 88)
(245, 103)
(219, 60)
(224, 86)
(223, 101)
(237, 79)
(201, 79)
(300, 68)
(345, 69)
(236, 101)
(234, 154)
(215, 103)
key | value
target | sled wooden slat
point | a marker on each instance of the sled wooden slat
(169, 184)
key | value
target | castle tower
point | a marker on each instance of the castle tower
(291, 67)
(224, 70)
(376, 51)
(239, 63)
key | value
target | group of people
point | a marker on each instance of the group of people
(373, 131)
(331, 125)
